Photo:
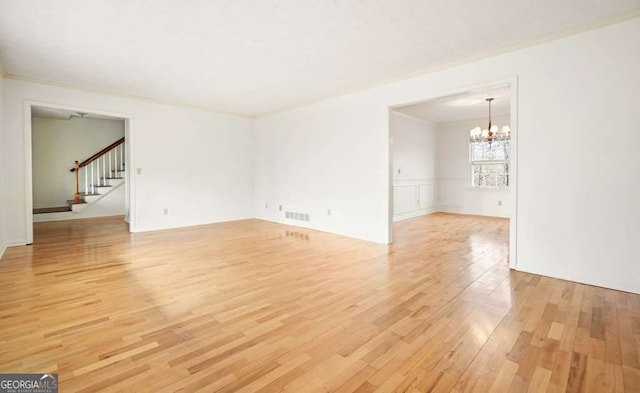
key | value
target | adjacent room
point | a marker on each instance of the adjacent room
(96, 188)
(353, 196)
(453, 154)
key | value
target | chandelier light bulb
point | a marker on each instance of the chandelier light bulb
(491, 133)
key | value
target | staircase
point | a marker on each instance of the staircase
(102, 173)
(98, 191)
(95, 178)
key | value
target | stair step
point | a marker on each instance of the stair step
(92, 198)
(89, 194)
(59, 209)
(102, 185)
(118, 170)
(113, 178)
(74, 202)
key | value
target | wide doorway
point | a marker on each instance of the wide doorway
(455, 154)
(78, 164)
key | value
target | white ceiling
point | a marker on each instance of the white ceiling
(253, 57)
(463, 106)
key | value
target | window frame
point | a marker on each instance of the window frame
(472, 164)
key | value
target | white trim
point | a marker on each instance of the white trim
(414, 180)
(406, 185)
(414, 213)
(13, 243)
(2, 250)
(28, 173)
(513, 177)
(487, 189)
(591, 281)
(125, 95)
(28, 164)
(478, 120)
(129, 183)
(389, 196)
(428, 122)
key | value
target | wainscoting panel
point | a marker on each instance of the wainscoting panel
(451, 193)
(404, 199)
(455, 196)
(413, 197)
(426, 195)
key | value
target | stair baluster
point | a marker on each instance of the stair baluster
(97, 172)
(92, 183)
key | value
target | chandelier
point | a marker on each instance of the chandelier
(491, 133)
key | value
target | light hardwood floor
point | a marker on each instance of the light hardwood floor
(252, 306)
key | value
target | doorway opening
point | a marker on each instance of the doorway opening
(77, 161)
(443, 161)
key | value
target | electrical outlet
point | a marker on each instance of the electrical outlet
(280, 208)
(138, 171)
(266, 205)
(328, 212)
(165, 211)
(499, 203)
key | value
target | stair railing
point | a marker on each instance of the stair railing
(105, 164)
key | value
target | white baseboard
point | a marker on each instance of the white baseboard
(413, 213)
(3, 248)
(450, 209)
(13, 243)
(633, 288)
(459, 210)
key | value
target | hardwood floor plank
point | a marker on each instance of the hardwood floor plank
(254, 306)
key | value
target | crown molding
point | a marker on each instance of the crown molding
(512, 48)
(402, 114)
(124, 95)
(478, 121)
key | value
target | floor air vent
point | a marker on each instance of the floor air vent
(297, 216)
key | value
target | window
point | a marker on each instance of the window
(490, 164)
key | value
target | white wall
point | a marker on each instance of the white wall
(578, 210)
(455, 194)
(579, 223)
(57, 143)
(3, 189)
(329, 156)
(196, 163)
(413, 152)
